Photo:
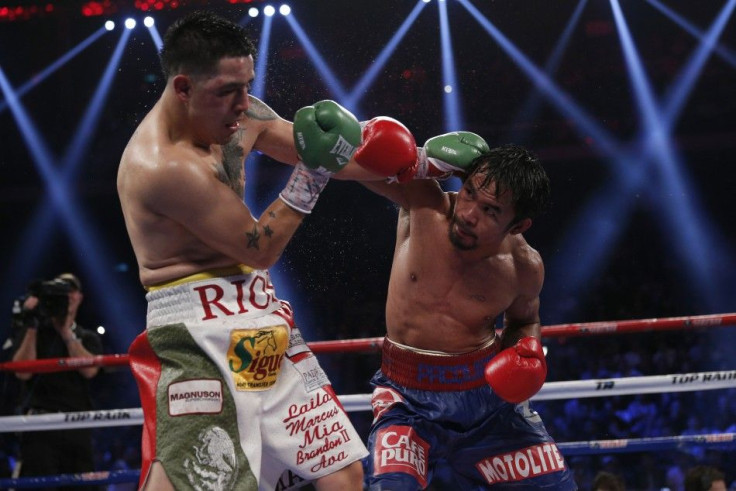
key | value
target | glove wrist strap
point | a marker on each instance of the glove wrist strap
(303, 188)
(428, 168)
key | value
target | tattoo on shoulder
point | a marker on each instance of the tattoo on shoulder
(253, 238)
(233, 172)
(258, 110)
(268, 231)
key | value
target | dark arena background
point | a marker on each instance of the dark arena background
(630, 105)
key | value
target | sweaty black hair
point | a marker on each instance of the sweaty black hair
(517, 169)
(195, 43)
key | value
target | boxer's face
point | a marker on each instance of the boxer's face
(218, 101)
(480, 216)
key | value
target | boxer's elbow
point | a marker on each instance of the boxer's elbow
(262, 259)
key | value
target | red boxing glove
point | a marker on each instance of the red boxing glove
(518, 372)
(388, 147)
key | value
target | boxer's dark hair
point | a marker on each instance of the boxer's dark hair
(516, 169)
(195, 43)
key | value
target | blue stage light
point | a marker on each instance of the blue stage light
(61, 61)
(453, 117)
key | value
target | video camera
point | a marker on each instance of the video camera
(53, 298)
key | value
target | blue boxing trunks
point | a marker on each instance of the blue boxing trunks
(434, 410)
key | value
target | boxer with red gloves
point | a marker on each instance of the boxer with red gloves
(450, 394)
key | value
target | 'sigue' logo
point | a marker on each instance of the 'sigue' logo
(255, 355)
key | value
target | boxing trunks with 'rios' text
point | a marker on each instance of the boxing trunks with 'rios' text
(232, 396)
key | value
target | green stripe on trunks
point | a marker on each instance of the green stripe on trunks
(199, 451)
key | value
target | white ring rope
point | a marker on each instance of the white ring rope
(683, 382)
(653, 384)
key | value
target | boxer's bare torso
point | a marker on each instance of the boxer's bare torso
(443, 298)
(182, 195)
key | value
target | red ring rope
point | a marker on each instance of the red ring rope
(372, 345)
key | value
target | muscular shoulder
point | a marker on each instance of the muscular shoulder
(529, 266)
(426, 194)
(154, 173)
(147, 148)
(147, 159)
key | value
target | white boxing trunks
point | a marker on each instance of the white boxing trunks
(232, 397)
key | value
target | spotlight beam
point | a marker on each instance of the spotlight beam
(84, 131)
(576, 261)
(259, 89)
(44, 162)
(333, 84)
(586, 125)
(686, 79)
(728, 55)
(81, 234)
(655, 146)
(35, 144)
(637, 78)
(61, 61)
(454, 119)
(371, 74)
(156, 37)
(259, 85)
(688, 224)
(533, 102)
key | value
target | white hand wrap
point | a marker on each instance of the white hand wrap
(426, 168)
(303, 188)
(442, 170)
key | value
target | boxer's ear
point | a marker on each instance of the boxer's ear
(521, 226)
(182, 87)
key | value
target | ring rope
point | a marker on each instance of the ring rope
(684, 382)
(720, 440)
(369, 345)
(81, 479)
(569, 449)
(640, 325)
(49, 365)
(72, 420)
(559, 330)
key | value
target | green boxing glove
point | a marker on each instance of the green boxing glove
(326, 136)
(444, 155)
(454, 151)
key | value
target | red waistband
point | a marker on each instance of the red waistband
(428, 371)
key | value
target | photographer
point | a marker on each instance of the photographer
(45, 327)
